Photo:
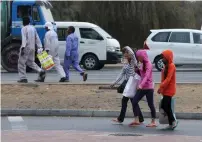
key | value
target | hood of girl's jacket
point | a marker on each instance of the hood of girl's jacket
(143, 54)
(168, 55)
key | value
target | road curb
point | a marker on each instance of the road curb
(85, 113)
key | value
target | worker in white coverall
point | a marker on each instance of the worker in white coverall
(51, 46)
(30, 38)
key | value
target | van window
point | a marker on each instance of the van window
(23, 11)
(88, 33)
(197, 38)
(161, 37)
(61, 34)
(180, 37)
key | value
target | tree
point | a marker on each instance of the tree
(130, 21)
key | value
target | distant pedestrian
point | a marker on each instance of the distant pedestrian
(30, 38)
(51, 46)
(72, 55)
(145, 87)
(168, 86)
(127, 71)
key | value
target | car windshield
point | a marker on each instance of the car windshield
(103, 33)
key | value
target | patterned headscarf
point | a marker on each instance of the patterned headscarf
(131, 52)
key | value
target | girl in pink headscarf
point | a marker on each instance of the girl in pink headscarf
(145, 87)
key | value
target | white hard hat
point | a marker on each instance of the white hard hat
(49, 25)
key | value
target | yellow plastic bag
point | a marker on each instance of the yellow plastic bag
(45, 60)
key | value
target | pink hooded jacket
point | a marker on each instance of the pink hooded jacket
(146, 81)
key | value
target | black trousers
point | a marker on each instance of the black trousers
(166, 106)
(124, 108)
(150, 100)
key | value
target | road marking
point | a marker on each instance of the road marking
(17, 123)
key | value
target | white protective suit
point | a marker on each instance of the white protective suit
(51, 44)
(30, 38)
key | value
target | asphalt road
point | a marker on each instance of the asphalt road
(106, 75)
(185, 127)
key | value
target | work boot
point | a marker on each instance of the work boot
(85, 76)
(63, 79)
(42, 76)
(23, 81)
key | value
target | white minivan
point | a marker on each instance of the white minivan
(186, 45)
(96, 47)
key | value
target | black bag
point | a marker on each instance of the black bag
(121, 88)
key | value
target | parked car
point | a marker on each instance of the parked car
(96, 46)
(186, 45)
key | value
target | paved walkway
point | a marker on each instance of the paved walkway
(92, 129)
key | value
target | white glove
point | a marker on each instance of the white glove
(40, 50)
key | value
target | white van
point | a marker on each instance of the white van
(96, 47)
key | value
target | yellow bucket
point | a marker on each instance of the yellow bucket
(45, 60)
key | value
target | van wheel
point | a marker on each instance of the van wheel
(90, 62)
(159, 63)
